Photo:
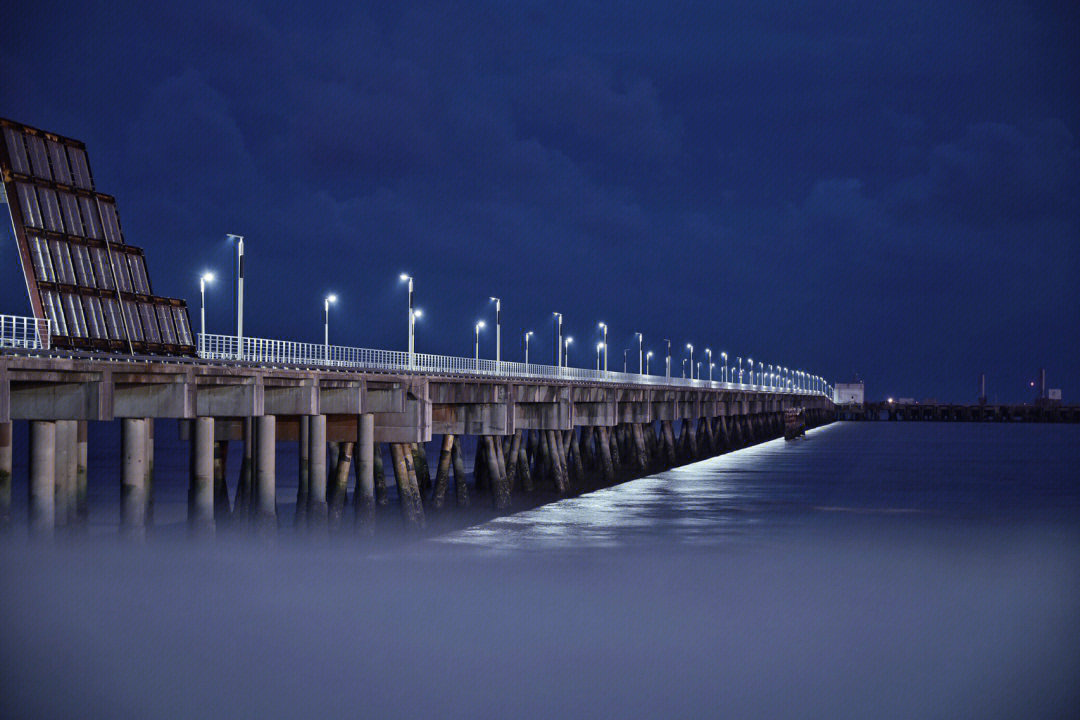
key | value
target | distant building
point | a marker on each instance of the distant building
(849, 393)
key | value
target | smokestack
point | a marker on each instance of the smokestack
(1042, 383)
(982, 389)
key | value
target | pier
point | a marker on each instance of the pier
(566, 429)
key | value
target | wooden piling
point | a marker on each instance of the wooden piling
(512, 460)
(606, 461)
(423, 471)
(412, 508)
(524, 472)
(381, 496)
(338, 493)
(499, 491)
(461, 484)
(442, 474)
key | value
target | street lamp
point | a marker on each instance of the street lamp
(647, 356)
(206, 277)
(723, 370)
(740, 369)
(604, 328)
(708, 352)
(498, 329)
(690, 347)
(711, 366)
(624, 360)
(239, 292)
(640, 337)
(412, 320)
(566, 350)
(558, 340)
(479, 324)
(684, 367)
(327, 302)
(667, 359)
(698, 370)
(527, 336)
(599, 347)
(750, 362)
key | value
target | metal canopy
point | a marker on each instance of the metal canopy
(80, 274)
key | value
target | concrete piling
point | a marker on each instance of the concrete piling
(512, 460)
(266, 471)
(303, 478)
(64, 469)
(607, 464)
(133, 477)
(364, 497)
(149, 470)
(42, 486)
(317, 510)
(82, 507)
(201, 482)
(5, 474)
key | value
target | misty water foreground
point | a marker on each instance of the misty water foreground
(870, 570)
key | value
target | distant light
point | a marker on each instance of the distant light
(689, 346)
(648, 354)
(331, 298)
(207, 277)
(405, 277)
(418, 313)
(529, 334)
(480, 324)
(569, 340)
(599, 346)
(890, 400)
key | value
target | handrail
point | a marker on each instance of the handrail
(28, 333)
(293, 353)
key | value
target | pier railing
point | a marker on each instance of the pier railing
(289, 353)
(26, 333)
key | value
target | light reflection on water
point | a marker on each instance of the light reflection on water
(957, 472)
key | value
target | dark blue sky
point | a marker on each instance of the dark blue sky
(889, 191)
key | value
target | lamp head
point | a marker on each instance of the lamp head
(207, 277)
(480, 324)
(418, 313)
(331, 298)
(569, 340)
(404, 277)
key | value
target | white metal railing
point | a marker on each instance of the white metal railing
(290, 353)
(26, 333)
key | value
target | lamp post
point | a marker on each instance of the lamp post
(558, 340)
(327, 302)
(711, 366)
(698, 370)
(684, 367)
(527, 336)
(566, 350)
(239, 293)
(647, 356)
(479, 324)
(640, 367)
(723, 370)
(740, 369)
(498, 329)
(690, 347)
(412, 320)
(750, 362)
(667, 359)
(604, 342)
(599, 347)
(206, 277)
(624, 360)
(708, 352)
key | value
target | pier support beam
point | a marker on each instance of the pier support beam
(317, 510)
(221, 482)
(67, 432)
(265, 472)
(339, 490)
(42, 500)
(82, 507)
(133, 477)
(461, 484)
(412, 509)
(5, 474)
(303, 486)
(442, 473)
(500, 490)
(364, 498)
(201, 481)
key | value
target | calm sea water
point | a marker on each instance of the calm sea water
(869, 570)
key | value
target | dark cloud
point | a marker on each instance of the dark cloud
(827, 187)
